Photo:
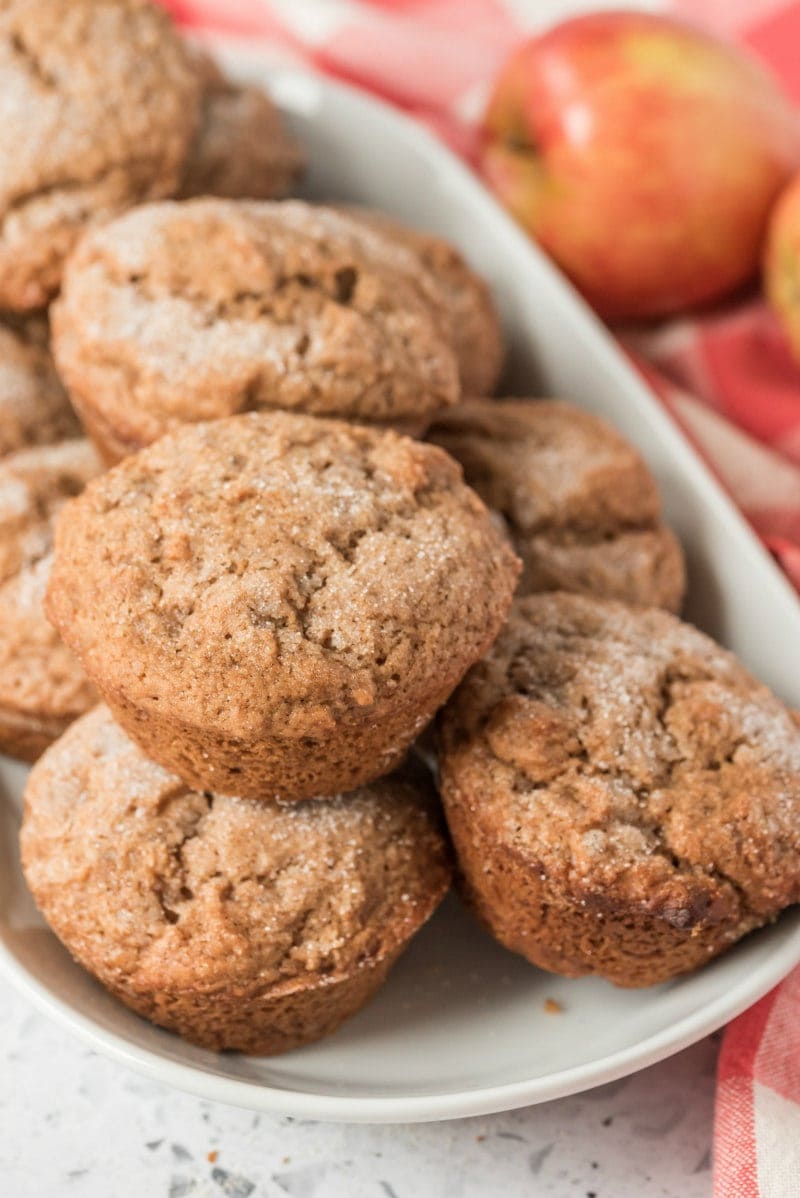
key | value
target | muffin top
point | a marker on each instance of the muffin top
(188, 311)
(465, 302)
(582, 508)
(272, 572)
(38, 674)
(241, 149)
(34, 409)
(100, 102)
(161, 885)
(630, 760)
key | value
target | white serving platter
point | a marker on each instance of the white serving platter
(461, 1028)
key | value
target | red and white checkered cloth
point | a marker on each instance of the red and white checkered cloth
(727, 378)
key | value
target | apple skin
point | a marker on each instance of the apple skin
(782, 264)
(643, 155)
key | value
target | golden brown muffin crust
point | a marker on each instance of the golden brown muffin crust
(34, 408)
(466, 304)
(241, 149)
(581, 506)
(281, 577)
(100, 103)
(42, 687)
(192, 311)
(196, 908)
(636, 790)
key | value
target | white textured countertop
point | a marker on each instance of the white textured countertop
(76, 1124)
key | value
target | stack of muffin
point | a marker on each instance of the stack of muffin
(277, 584)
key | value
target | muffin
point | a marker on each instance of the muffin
(581, 507)
(34, 409)
(623, 797)
(273, 605)
(182, 312)
(42, 686)
(101, 102)
(241, 149)
(466, 303)
(236, 923)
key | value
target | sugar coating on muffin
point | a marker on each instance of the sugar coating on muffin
(101, 101)
(466, 303)
(581, 506)
(42, 686)
(241, 149)
(181, 312)
(624, 798)
(34, 408)
(276, 605)
(238, 923)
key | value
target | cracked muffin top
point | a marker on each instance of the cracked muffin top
(630, 760)
(39, 677)
(100, 103)
(276, 572)
(581, 506)
(34, 408)
(152, 884)
(180, 312)
(465, 301)
(241, 149)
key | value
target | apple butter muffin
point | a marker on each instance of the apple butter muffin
(582, 509)
(101, 102)
(241, 149)
(34, 408)
(466, 302)
(181, 312)
(623, 797)
(274, 605)
(42, 686)
(238, 924)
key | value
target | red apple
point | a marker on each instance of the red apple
(782, 264)
(643, 155)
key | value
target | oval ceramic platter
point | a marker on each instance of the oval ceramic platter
(462, 1028)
